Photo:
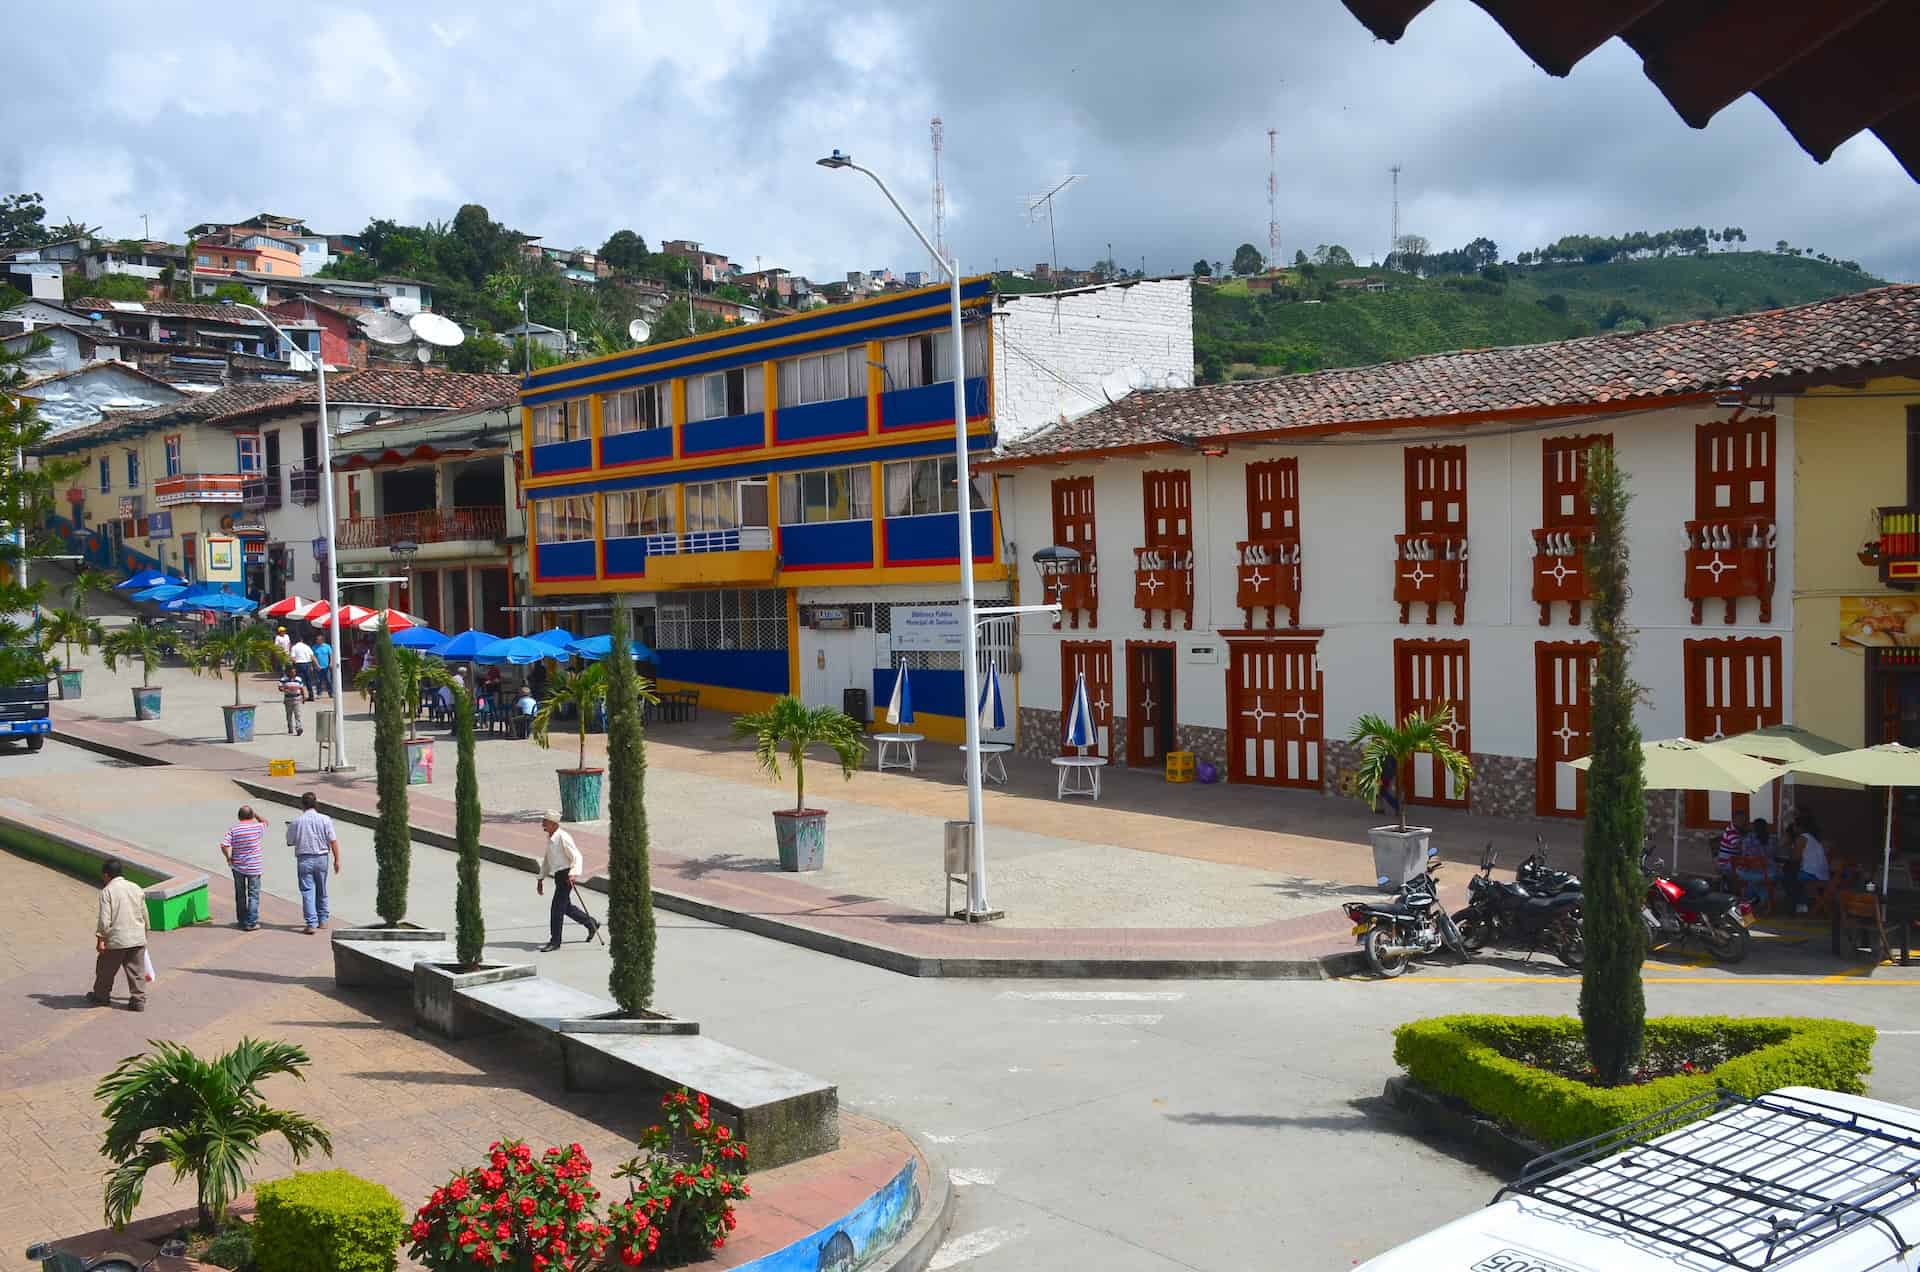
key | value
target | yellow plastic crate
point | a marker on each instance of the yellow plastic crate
(1179, 766)
(279, 768)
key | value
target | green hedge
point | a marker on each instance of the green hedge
(326, 1221)
(1467, 1057)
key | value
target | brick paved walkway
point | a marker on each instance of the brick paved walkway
(402, 1110)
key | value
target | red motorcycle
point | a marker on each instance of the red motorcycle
(1677, 909)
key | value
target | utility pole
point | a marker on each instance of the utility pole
(939, 131)
(1273, 200)
(1393, 244)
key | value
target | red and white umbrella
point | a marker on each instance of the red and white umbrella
(294, 607)
(350, 615)
(393, 618)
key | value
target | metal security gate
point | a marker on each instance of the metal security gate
(1563, 709)
(1427, 673)
(1274, 713)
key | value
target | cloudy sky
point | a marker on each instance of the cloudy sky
(571, 120)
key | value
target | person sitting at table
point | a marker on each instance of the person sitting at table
(1733, 842)
(1809, 863)
(524, 709)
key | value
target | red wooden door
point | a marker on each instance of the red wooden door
(1150, 700)
(1733, 685)
(1563, 707)
(1094, 660)
(1427, 673)
(1274, 713)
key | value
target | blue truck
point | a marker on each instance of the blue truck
(23, 713)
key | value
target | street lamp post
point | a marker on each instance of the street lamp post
(977, 904)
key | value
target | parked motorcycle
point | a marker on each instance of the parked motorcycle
(1679, 909)
(1414, 923)
(1516, 916)
(1542, 880)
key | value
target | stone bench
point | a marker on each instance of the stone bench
(386, 959)
(174, 898)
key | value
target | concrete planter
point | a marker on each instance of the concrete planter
(579, 794)
(398, 932)
(70, 685)
(146, 702)
(801, 836)
(239, 721)
(651, 1022)
(1399, 855)
(385, 956)
(419, 761)
(439, 1008)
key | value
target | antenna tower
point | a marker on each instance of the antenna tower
(1393, 244)
(939, 131)
(1273, 202)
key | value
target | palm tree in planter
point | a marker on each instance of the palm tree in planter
(70, 627)
(146, 645)
(581, 691)
(237, 649)
(203, 1118)
(1386, 749)
(789, 727)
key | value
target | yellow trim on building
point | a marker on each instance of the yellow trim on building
(679, 408)
(720, 698)
(793, 641)
(730, 577)
(876, 383)
(769, 395)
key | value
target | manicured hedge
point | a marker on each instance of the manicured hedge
(1465, 1057)
(325, 1221)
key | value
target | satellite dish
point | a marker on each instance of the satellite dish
(435, 329)
(638, 330)
(424, 353)
(385, 328)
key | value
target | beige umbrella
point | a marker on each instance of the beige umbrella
(1889, 764)
(1783, 744)
(1681, 764)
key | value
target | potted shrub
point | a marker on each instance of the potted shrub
(791, 727)
(138, 642)
(582, 691)
(417, 671)
(238, 648)
(70, 627)
(1400, 850)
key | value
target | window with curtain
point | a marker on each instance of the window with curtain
(558, 422)
(918, 487)
(741, 391)
(173, 455)
(824, 377)
(635, 409)
(106, 475)
(633, 513)
(563, 520)
(913, 361)
(828, 494)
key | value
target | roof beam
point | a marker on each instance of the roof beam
(1901, 133)
(1556, 36)
(1387, 19)
(1850, 83)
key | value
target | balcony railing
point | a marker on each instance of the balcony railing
(192, 488)
(1560, 570)
(1163, 581)
(1429, 569)
(1897, 550)
(742, 539)
(303, 484)
(1728, 559)
(262, 492)
(1268, 577)
(431, 525)
(1074, 586)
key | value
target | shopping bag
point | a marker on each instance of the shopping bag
(147, 970)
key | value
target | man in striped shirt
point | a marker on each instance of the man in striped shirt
(241, 847)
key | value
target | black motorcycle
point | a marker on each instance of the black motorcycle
(1414, 923)
(1513, 915)
(1542, 880)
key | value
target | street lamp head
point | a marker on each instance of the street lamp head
(1056, 554)
(405, 550)
(836, 160)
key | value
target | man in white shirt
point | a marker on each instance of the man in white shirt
(119, 939)
(303, 665)
(564, 864)
(282, 642)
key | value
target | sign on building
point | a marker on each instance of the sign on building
(926, 627)
(160, 525)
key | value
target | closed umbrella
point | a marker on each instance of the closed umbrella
(419, 636)
(594, 648)
(900, 705)
(993, 712)
(517, 651)
(1080, 723)
(463, 647)
(1681, 764)
(1890, 764)
(146, 579)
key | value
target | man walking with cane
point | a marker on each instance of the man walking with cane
(563, 862)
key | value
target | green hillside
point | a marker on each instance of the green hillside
(1238, 335)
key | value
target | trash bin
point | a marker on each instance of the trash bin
(854, 703)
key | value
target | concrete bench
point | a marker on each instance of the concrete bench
(387, 961)
(174, 899)
(782, 1114)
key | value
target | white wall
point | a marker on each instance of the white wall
(1351, 495)
(1050, 353)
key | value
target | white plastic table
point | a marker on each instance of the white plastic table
(1087, 783)
(992, 767)
(899, 744)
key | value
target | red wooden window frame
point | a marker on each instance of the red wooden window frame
(1273, 499)
(1167, 502)
(1426, 673)
(1094, 658)
(1563, 715)
(1732, 684)
(1730, 458)
(1436, 481)
(1074, 527)
(1563, 480)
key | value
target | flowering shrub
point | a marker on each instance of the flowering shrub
(683, 1191)
(515, 1212)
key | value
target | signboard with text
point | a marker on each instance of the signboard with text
(160, 525)
(926, 627)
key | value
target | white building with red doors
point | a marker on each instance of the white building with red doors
(1264, 561)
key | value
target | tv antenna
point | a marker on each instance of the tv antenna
(1273, 200)
(638, 330)
(1393, 244)
(423, 330)
(1037, 204)
(939, 131)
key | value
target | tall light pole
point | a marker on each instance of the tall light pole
(977, 905)
(319, 362)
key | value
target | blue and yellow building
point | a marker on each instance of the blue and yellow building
(770, 494)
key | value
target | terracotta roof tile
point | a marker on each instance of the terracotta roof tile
(164, 309)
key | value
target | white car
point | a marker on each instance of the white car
(1799, 1180)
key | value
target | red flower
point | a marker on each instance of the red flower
(574, 1202)
(439, 1196)
(539, 1262)
(706, 1171)
(701, 1099)
(527, 1206)
(458, 1188)
(492, 1179)
(725, 1188)
(631, 1258)
(718, 1242)
(420, 1230)
(503, 1230)
(745, 1190)
(727, 1218)
(723, 1133)
(522, 1152)
(699, 1123)
(499, 1159)
(576, 1149)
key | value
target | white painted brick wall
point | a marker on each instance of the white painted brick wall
(1050, 353)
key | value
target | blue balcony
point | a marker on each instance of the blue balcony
(930, 404)
(728, 433)
(831, 545)
(561, 457)
(553, 562)
(817, 420)
(935, 539)
(639, 447)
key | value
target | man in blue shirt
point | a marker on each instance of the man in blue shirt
(312, 838)
(323, 663)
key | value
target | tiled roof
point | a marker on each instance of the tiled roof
(1847, 337)
(165, 309)
(455, 390)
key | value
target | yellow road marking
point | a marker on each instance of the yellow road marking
(1845, 978)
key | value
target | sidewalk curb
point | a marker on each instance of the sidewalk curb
(916, 1248)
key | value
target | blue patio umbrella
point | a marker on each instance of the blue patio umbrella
(463, 647)
(559, 637)
(1080, 723)
(421, 637)
(900, 705)
(993, 712)
(146, 579)
(218, 602)
(516, 651)
(160, 592)
(594, 648)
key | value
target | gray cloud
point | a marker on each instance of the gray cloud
(703, 120)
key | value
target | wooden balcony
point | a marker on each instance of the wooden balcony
(1269, 577)
(1075, 586)
(1728, 559)
(1430, 570)
(262, 491)
(303, 485)
(432, 525)
(1560, 571)
(199, 488)
(1163, 582)
(1897, 551)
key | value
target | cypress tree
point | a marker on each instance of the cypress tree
(392, 838)
(629, 870)
(470, 929)
(1613, 1005)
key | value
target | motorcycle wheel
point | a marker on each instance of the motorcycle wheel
(1727, 940)
(1570, 943)
(1475, 932)
(1384, 965)
(1654, 939)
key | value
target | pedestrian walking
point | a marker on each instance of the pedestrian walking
(301, 654)
(564, 864)
(312, 838)
(292, 693)
(241, 847)
(119, 939)
(323, 663)
(283, 643)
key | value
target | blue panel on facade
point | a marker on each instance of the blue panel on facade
(826, 544)
(562, 561)
(626, 557)
(930, 404)
(562, 457)
(845, 418)
(935, 539)
(760, 670)
(729, 432)
(934, 692)
(636, 448)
